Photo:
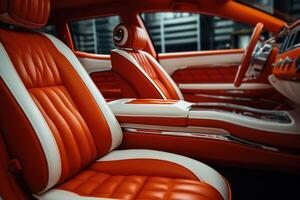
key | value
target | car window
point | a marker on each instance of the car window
(94, 35)
(179, 32)
(49, 29)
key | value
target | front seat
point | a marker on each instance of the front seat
(59, 128)
(139, 74)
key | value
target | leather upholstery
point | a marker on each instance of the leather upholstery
(25, 13)
(147, 80)
(152, 177)
(129, 36)
(107, 83)
(61, 97)
(98, 184)
(57, 124)
(139, 69)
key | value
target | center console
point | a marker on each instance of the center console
(275, 130)
(216, 132)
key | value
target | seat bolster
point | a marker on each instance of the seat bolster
(202, 171)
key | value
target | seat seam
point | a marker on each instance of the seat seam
(169, 191)
(108, 176)
(141, 188)
(116, 187)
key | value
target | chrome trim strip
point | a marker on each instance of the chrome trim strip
(188, 129)
(224, 137)
(223, 97)
(181, 134)
(223, 86)
(235, 106)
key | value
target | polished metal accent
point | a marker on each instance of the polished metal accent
(211, 136)
(267, 115)
(188, 129)
(225, 97)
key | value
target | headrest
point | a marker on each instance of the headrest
(31, 14)
(128, 36)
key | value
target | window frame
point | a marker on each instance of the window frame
(192, 51)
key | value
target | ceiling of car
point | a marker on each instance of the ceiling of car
(59, 4)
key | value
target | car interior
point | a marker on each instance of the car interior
(149, 99)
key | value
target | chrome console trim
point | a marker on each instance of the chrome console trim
(204, 134)
(188, 129)
(281, 117)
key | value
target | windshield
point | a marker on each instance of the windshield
(288, 10)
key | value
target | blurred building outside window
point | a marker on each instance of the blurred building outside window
(180, 31)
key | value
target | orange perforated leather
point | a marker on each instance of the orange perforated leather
(26, 13)
(62, 97)
(140, 179)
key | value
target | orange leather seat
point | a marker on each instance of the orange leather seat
(140, 75)
(57, 124)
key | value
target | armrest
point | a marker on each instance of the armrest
(151, 111)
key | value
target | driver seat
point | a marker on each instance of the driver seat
(140, 75)
(61, 135)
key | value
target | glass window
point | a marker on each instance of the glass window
(49, 29)
(288, 10)
(179, 32)
(94, 35)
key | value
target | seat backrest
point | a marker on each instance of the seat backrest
(53, 118)
(141, 70)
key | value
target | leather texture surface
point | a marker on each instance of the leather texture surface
(205, 75)
(108, 84)
(26, 13)
(141, 179)
(62, 97)
(141, 84)
(143, 87)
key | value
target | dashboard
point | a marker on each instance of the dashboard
(287, 64)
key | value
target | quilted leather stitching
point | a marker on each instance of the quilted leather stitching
(98, 184)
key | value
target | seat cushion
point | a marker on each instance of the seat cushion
(143, 174)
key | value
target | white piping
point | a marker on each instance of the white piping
(35, 117)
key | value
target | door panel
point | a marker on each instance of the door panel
(172, 62)
(107, 84)
(208, 76)
(99, 68)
